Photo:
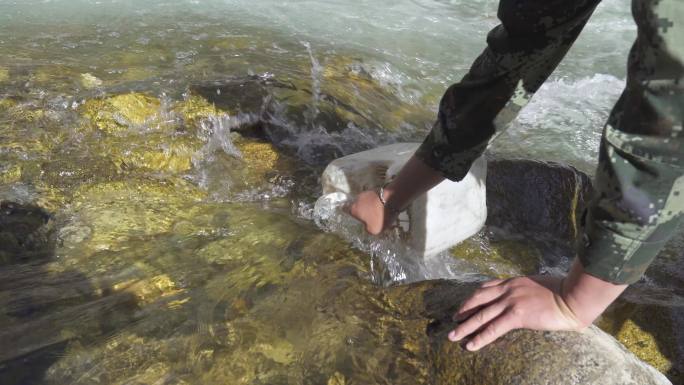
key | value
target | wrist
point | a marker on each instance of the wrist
(387, 197)
(587, 296)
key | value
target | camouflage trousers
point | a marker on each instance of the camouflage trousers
(640, 176)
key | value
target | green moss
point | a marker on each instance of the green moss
(11, 174)
(122, 112)
(646, 330)
(4, 74)
(154, 151)
(88, 81)
(501, 258)
(110, 214)
(194, 109)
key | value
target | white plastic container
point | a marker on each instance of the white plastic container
(438, 220)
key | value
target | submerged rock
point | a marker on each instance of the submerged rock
(499, 258)
(648, 331)
(24, 233)
(89, 81)
(194, 108)
(111, 214)
(120, 113)
(4, 74)
(151, 152)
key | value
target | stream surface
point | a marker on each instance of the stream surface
(156, 237)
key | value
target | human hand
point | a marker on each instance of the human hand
(500, 306)
(369, 210)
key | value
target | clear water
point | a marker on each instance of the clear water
(416, 47)
(178, 252)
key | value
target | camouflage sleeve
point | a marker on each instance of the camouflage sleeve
(533, 37)
(640, 177)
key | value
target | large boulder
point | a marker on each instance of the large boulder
(522, 356)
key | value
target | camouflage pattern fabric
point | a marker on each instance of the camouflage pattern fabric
(640, 176)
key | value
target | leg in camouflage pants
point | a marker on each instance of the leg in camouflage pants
(640, 176)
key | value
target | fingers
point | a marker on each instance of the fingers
(477, 321)
(500, 326)
(480, 297)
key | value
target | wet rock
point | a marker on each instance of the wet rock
(89, 81)
(337, 379)
(533, 197)
(343, 95)
(499, 258)
(263, 162)
(24, 233)
(247, 95)
(647, 331)
(522, 356)
(194, 108)
(116, 212)
(4, 74)
(10, 174)
(152, 152)
(120, 113)
(359, 98)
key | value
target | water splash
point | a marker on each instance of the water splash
(316, 71)
(391, 261)
(216, 129)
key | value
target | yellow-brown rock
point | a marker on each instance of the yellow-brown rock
(120, 113)
(4, 74)
(501, 258)
(647, 331)
(90, 81)
(194, 109)
(152, 151)
(109, 214)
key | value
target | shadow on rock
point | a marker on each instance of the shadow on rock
(35, 325)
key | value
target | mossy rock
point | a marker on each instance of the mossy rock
(500, 258)
(647, 331)
(6, 104)
(10, 174)
(357, 94)
(24, 233)
(4, 74)
(149, 290)
(133, 74)
(121, 113)
(154, 151)
(21, 113)
(106, 216)
(261, 160)
(194, 108)
(89, 81)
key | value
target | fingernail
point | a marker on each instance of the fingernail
(471, 346)
(452, 336)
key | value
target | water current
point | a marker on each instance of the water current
(159, 164)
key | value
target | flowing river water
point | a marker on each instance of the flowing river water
(149, 232)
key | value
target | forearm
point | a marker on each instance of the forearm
(414, 179)
(587, 296)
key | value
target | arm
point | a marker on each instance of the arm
(639, 202)
(521, 53)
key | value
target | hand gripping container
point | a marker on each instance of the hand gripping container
(439, 219)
